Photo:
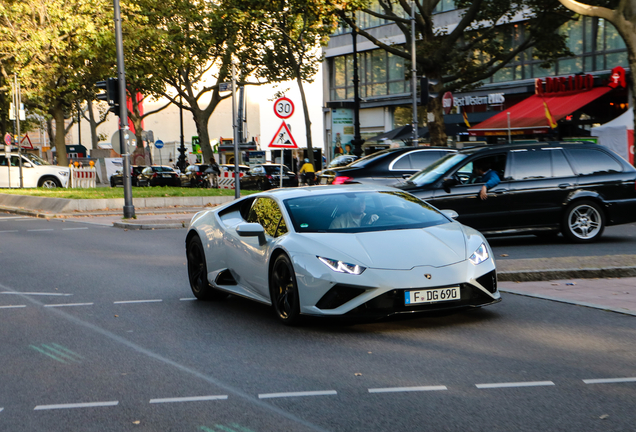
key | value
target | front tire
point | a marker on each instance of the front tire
(284, 291)
(49, 183)
(198, 272)
(583, 222)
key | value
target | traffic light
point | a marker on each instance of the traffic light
(111, 86)
(427, 90)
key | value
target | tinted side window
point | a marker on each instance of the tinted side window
(402, 163)
(532, 164)
(592, 161)
(560, 166)
(422, 159)
(265, 211)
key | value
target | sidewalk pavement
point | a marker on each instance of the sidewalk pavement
(602, 282)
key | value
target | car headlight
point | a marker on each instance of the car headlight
(480, 255)
(63, 173)
(342, 267)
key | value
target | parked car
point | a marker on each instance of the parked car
(195, 176)
(117, 179)
(574, 188)
(384, 167)
(267, 176)
(159, 175)
(36, 172)
(230, 168)
(290, 248)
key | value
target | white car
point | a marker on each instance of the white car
(36, 172)
(339, 251)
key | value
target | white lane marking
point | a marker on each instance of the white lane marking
(515, 384)
(297, 394)
(43, 229)
(68, 304)
(188, 299)
(74, 229)
(189, 399)
(35, 293)
(12, 306)
(137, 301)
(406, 389)
(76, 405)
(609, 380)
(8, 231)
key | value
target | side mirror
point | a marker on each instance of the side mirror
(405, 176)
(27, 165)
(252, 230)
(450, 213)
(448, 183)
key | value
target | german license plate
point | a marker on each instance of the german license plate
(431, 295)
(166, 175)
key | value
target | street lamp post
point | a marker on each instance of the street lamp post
(414, 75)
(357, 140)
(129, 209)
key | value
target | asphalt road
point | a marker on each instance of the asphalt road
(99, 332)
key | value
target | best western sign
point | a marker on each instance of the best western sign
(491, 99)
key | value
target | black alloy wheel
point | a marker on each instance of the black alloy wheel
(198, 272)
(583, 222)
(284, 291)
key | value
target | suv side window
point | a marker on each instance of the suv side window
(265, 211)
(531, 164)
(560, 165)
(593, 161)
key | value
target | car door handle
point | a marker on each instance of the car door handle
(564, 185)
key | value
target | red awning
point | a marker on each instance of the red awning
(528, 116)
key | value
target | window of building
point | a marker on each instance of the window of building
(444, 6)
(380, 74)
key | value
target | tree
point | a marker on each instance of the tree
(623, 18)
(460, 58)
(57, 48)
(292, 32)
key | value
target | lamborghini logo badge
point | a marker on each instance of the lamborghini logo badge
(427, 276)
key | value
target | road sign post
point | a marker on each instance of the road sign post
(159, 146)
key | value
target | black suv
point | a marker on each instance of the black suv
(385, 167)
(575, 188)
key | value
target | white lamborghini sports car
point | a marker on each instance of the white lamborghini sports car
(339, 251)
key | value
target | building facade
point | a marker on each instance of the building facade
(385, 92)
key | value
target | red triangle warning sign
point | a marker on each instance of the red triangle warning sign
(283, 138)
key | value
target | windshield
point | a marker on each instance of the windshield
(36, 160)
(437, 169)
(355, 212)
(368, 159)
(341, 161)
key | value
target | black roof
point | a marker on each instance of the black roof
(499, 147)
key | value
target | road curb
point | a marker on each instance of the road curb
(150, 226)
(560, 274)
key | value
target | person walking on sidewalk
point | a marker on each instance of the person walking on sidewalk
(213, 172)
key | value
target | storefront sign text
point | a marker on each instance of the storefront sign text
(572, 83)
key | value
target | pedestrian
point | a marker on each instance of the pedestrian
(213, 171)
(309, 172)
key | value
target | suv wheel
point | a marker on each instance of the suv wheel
(583, 222)
(49, 182)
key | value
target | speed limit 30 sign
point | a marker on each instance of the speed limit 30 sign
(284, 108)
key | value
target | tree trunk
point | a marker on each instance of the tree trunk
(60, 145)
(310, 148)
(204, 137)
(435, 115)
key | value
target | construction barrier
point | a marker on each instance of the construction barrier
(226, 180)
(83, 177)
